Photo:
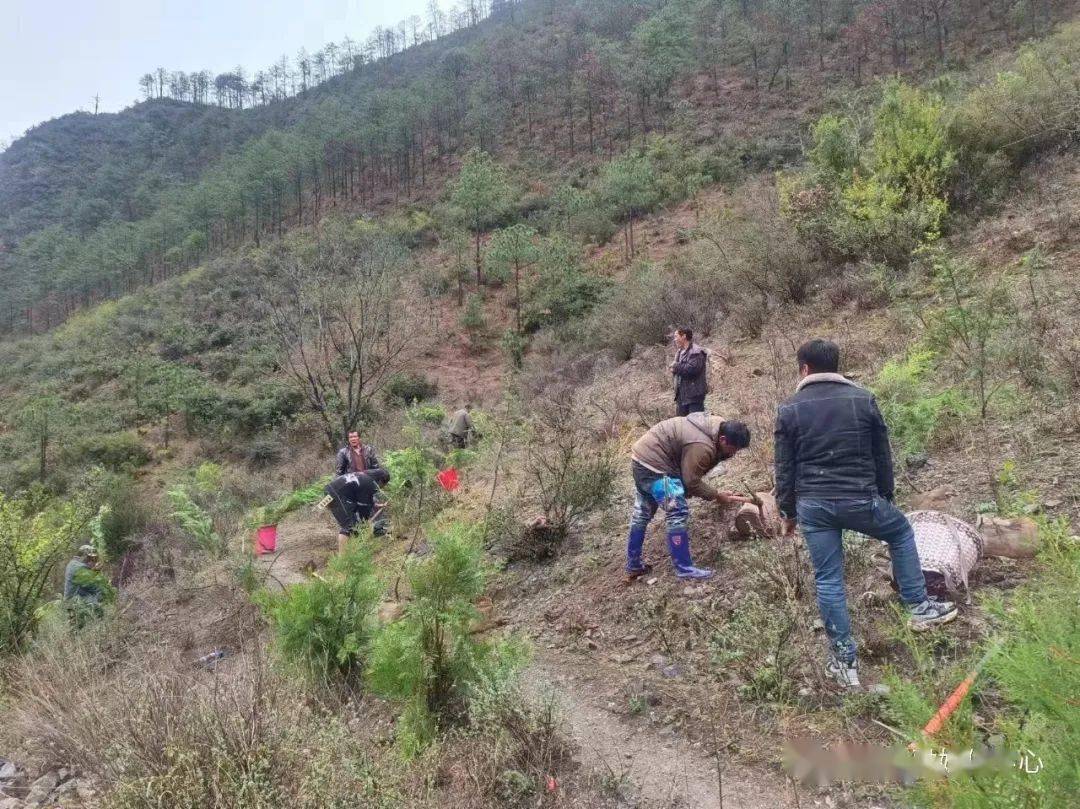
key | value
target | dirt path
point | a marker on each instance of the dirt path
(656, 769)
(305, 542)
(663, 772)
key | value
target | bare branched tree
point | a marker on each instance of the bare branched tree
(570, 471)
(341, 323)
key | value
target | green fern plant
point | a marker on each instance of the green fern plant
(195, 521)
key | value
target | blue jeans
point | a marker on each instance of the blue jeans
(822, 523)
(645, 505)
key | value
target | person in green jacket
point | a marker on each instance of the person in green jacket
(83, 591)
(461, 427)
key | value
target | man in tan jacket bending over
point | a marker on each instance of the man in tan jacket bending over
(669, 464)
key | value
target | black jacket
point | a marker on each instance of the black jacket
(353, 499)
(691, 384)
(373, 468)
(831, 443)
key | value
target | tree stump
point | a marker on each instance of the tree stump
(759, 522)
(1016, 538)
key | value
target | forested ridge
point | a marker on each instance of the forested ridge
(95, 205)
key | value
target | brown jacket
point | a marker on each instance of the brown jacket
(684, 448)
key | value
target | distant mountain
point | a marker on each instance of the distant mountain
(93, 205)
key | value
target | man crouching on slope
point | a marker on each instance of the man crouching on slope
(669, 464)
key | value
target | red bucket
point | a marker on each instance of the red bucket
(266, 539)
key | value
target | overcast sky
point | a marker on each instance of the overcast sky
(55, 55)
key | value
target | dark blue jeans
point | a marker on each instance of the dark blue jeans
(822, 523)
(645, 505)
(686, 408)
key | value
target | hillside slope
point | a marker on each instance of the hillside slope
(91, 207)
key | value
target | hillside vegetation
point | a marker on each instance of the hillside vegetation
(93, 206)
(202, 299)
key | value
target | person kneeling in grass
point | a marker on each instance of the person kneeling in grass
(84, 587)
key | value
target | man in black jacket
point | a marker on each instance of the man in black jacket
(359, 457)
(689, 371)
(353, 501)
(834, 472)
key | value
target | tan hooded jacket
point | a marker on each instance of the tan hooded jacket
(684, 448)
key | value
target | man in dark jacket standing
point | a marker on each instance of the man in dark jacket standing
(688, 370)
(669, 464)
(834, 472)
(359, 457)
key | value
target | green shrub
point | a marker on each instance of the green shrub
(34, 537)
(209, 477)
(121, 516)
(427, 414)
(562, 290)
(1027, 108)
(1025, 695)
(513, 345)
(502, 527)
(594, 223)
(976, 327)
(324, 626)
(414, 494)
(428, 660)
(571, 474)
(263, 451)
(261, 408)
(652, 301)
(195, 521)
(460, 458)
(415, 228)
(835, 151)
(755, 257)
(472, 319)
(883, 200)
(408, 388)
(117, 452)
(917, 409)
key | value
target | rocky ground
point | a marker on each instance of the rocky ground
(59, 787)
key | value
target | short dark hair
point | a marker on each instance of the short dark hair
(820, 356)
(736, 434)
(353, 432)
(687, 333)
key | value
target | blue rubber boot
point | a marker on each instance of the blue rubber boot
(678, 541)
(634, 565)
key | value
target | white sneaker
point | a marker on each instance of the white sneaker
(845, 674)
(931, 613)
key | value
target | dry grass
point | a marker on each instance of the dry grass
(126, 706)
(153, 733)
